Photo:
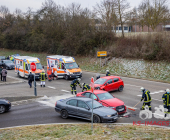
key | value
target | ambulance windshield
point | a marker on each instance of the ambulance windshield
(71, 65)
(38, 66)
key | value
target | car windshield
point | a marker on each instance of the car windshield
(8, 61)
(105, 96)
(2, 57)
(100, 81)
(71, 65)
(38, 66)
(95, 104)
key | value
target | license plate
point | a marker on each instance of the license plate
(121, 109)
(77, 76)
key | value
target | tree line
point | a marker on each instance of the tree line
(71, 30)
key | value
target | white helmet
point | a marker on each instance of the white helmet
(107, 70)
(142, 88)
(79, 79)
(83, 84)
(167, 90)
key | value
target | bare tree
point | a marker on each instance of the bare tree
(122, 7)
(141, 14)
(106, 11)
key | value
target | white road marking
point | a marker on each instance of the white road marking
(157, 100)
(51, 87)
(38, 84)
(14, 77)
(132, 85)
(157, 92)
(154, 92)
(65, 90)
(139, 95)
(50, 101)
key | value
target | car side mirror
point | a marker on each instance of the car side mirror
(96, 99)
(88, 108)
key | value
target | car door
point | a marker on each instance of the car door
(109, 85)
(116, 83)
(83, 110)
(72, 107)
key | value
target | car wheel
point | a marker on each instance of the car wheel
(96, 119)
(18, 74)
(2, 109)
(64, 114)
(120, 88)
(66, 77)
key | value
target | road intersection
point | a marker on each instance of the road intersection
(41, 110)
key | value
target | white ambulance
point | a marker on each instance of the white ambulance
(22, 66)
(64, 66)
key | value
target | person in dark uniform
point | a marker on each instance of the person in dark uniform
(30, 79)
(166, 101)
(85, 86)
(1, 71)
(107, 73)
(147, 98)
(74, 84)
(97, 76)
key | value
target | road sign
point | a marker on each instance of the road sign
(33, 66)
(92, 84)
(101, 53)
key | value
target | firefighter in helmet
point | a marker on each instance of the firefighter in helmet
(74, 84)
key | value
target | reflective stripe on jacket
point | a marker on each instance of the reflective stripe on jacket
(87, 87)
(43, 76)
(166, 99)
(146, 96)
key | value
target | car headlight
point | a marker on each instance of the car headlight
(109, 116)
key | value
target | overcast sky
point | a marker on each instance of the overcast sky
(36, 4)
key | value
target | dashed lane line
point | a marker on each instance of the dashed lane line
(132, 85)
(65, 90)
(51, 87)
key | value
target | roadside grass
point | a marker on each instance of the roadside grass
(151, 70)
(83, 132)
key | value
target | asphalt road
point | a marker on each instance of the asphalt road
(37, 113)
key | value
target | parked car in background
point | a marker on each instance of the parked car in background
(82, 108)
(106, 99)
(2, 58)
(5, 105)
(109, 83)
(8, 64)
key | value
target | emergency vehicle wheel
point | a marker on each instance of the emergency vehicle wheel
(18, 74)
(66, 77)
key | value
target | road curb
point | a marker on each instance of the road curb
(117, 124)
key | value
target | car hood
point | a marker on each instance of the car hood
(114, 102)
(98, 85)
(103, 111)
(10, 65)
